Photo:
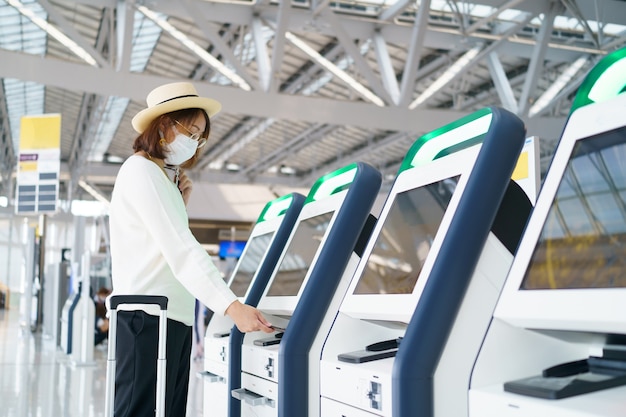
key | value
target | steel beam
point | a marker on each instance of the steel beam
(501, 82)
(218, 43)
(361, 64)
(278, 51)
(68, 29)
(386, 68)
(416, 43)
(539, 55)
(262, 54)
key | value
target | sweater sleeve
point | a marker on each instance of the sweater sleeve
(162, 210)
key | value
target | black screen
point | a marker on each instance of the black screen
(300, 253)
(405, 239)
(583, 241)
(249, 263)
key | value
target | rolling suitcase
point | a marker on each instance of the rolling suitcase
(115, 301)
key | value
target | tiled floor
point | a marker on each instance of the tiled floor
(38, 380)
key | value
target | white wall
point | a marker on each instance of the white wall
(59, 234)
(11, 251)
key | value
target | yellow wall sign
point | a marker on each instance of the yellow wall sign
(39, 164)
(527, 172)
(521, 169)
(40, 132)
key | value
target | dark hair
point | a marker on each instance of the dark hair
(149, 140)
(104, 291)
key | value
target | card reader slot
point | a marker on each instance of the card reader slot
(566, 369)
(268, 341)
(383, 345)
(597, 364)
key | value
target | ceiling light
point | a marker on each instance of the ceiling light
(446, 77)
(247, 138)
(94, 192)
(54, 32)
(231, 166)
(113, 159)
(556, 87)
(195, 48)
(285, 170)
(336, 71)
(85, 208)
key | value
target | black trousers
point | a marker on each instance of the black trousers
(136, 369)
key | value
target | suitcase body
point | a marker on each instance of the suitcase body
(116, 301)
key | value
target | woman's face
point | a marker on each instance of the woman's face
(196, 126)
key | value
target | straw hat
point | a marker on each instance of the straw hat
(171, 97)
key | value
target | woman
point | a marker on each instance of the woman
(153, 251)
(101, 331)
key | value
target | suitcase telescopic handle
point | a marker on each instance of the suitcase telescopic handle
(160, 300)
(114, 302)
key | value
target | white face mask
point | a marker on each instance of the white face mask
(181, 149)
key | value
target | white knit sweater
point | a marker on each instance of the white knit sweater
(152, 249)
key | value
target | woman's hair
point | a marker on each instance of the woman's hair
(149, 140)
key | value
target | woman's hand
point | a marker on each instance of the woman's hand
(184, 185)
(248, 318)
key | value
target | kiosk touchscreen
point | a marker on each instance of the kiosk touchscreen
(264, 247)
(438, 215)
(557, 343)
(325, 243)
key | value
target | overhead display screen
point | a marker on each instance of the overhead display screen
(405, 239)
(299, 256)
(249, 263)
(231, 248)
(583, 241)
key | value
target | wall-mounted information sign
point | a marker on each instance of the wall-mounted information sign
(39, 164)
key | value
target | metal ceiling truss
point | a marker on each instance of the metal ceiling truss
(396, 52)
(292, 146)
(538, 57)
(364, 152)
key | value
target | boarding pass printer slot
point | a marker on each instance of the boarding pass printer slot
(210, 377)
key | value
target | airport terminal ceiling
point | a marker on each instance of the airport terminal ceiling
(306, 86)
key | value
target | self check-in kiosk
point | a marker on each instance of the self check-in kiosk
(440, 249)
(265, 245)
(327, 241)
(557, 342)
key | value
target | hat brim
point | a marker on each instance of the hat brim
(143, 119)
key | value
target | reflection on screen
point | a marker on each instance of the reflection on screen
(249, 263)
(405, 239)
(583, 241)
(300, 253)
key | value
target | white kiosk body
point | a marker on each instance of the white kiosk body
(425, 203)
(267, 240)
(557, 342)
(314, 254)
(217, 336)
